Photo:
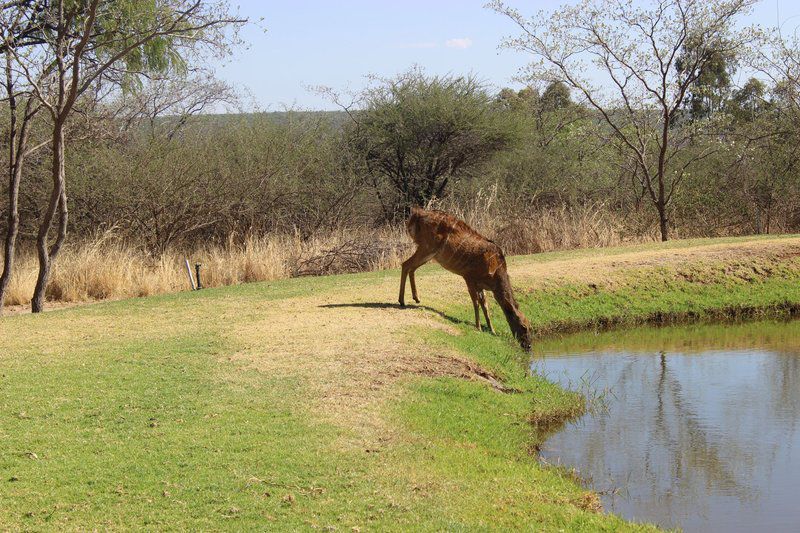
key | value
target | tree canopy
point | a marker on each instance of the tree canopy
(417, 133)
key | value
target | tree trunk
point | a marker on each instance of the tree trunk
(661, 203)
(58, 201)
(12, 230)
(18, 142)
(13, 187)
(663, 221)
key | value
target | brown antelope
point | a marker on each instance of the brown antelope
(463, 251)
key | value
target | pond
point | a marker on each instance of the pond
(692, 427)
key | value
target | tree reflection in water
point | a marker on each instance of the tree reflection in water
(694, 434)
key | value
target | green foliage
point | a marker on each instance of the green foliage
(749, 102)
(417, 134)
(556, 160)
(556, 96)
(712, 86)
(256, 175)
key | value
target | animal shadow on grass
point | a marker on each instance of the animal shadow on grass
(383, 305)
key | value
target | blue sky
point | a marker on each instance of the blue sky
(337, 43)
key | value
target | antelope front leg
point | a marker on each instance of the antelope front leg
(485, 307)
(413, 286)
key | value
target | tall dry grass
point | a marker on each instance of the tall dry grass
(107, 267)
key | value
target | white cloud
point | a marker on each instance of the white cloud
(463, 42)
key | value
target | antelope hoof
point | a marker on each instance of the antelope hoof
(402, 303)
(416, 299)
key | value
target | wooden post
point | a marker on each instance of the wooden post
(189, 271)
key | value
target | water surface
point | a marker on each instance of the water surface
(695, 427)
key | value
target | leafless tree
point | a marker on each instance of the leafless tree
(634, 66)
(163, 104)
(777, 57)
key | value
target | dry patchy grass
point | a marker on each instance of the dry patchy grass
(351, 345)
(593, 267)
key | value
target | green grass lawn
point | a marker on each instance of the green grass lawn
(135, 414)
(127, 414)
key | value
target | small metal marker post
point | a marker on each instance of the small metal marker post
(197, 272)
(189, 272)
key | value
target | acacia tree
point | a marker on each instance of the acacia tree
(84, 45)
(634, 83)
(417, 133)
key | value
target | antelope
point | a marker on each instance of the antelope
(463, 251)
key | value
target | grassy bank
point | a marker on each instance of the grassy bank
(312, 403)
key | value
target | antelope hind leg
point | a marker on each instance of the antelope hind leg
(485, 307)
(402, 297)
(410, 265)
(473, 294)
(419, 262)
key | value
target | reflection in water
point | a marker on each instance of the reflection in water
(688, 436)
